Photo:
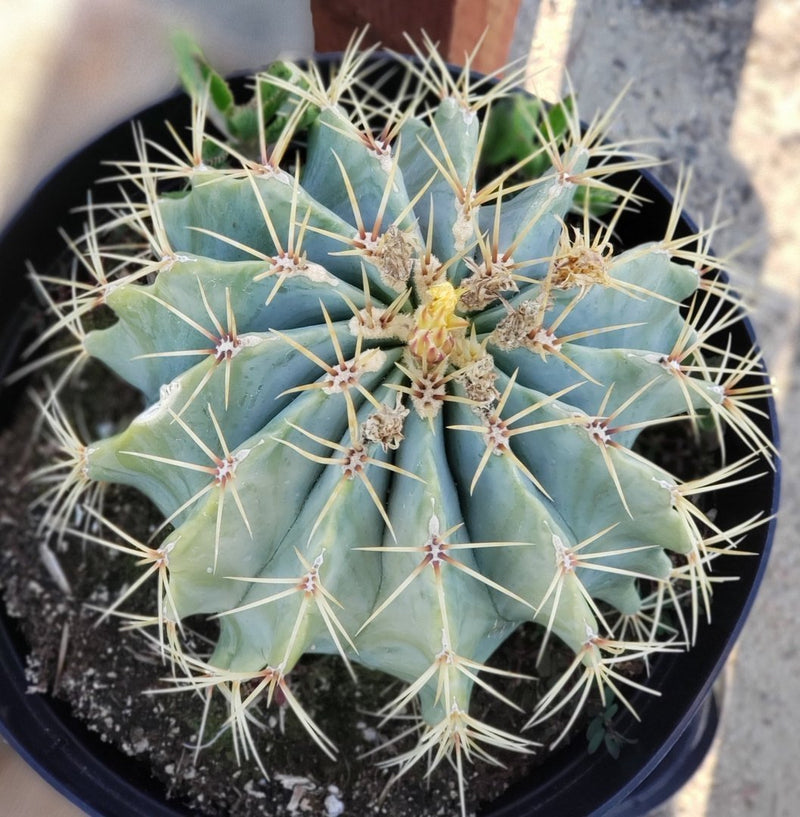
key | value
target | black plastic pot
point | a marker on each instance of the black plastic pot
(676, 727)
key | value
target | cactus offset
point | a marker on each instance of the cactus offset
(391, 407)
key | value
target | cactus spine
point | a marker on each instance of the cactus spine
(391, 406)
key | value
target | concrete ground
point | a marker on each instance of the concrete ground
(717, 82)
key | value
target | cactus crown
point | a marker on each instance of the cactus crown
(391, 404)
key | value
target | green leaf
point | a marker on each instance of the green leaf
(509, 131)
(599, 201)
(613, 745)
(243, 123)
(197, 75)
(557, 116)
(220, 91)
(596, 737)
(272, 96)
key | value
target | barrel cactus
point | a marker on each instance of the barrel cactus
(392, 401)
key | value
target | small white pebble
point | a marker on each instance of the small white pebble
(370, 734)
(333, 806)
(249, 787)
(141, 745)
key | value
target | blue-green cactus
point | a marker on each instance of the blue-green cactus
(390, 409)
